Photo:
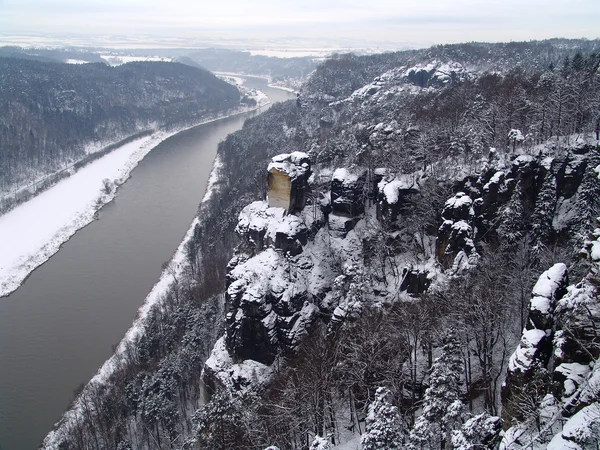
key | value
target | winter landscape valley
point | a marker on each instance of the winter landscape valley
(217, 236)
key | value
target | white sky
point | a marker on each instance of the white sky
(421, 22)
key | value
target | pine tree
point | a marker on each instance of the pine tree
(442, 407)
(218, 424)
(543, 213)
(383, 424)
(512, 219)
(588, 200)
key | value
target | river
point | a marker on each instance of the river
(59, 327)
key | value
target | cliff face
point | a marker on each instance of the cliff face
(288, 174)
(291, 270)
(551, 388)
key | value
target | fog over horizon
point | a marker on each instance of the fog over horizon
(333, 23)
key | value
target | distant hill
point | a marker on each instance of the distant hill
(279, 69)
(49, 112)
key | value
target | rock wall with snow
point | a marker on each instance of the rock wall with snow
(549, 196)
(296, 266)
(552, 387)
(283, 275)
(535, 349)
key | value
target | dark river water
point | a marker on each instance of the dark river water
(59, 327)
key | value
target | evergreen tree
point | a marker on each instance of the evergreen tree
(479, 432)
(219, 423)
(588, 200)
(442, 407)
(383, 424)
(543, 213)
(512, 219)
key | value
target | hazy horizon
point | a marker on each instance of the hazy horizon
(334, 23)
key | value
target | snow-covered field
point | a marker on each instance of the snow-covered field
(237, 79)
(75, 61)
(118, 59)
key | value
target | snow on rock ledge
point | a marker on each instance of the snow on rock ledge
(262, 226)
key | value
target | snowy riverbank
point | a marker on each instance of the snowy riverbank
(34, 231)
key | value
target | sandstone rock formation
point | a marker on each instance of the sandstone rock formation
(288, 175)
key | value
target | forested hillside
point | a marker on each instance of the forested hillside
(53, 115)
(287, 70)
(434, 284)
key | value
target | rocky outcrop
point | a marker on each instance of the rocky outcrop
(287, 181)
(267, 314)
(283, 276)
(261, 227)
(454, 243)
(546, 195)
(393, 193)
(535, 349)
(347, 193)
(347, 200)
(557, 360)
(415, 281)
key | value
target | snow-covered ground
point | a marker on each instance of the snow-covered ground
(317, 53)
(297, 53)
(34, 231)
(75, 61)
(237, 79)
(117, 59)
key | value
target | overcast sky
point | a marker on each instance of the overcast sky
(416, 22)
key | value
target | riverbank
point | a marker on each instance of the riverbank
(22, 194)
(35, 230)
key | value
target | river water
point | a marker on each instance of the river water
(59, 327)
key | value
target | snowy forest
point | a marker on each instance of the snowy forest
(433, 285)
(54, 115)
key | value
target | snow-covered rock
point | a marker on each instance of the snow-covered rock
(455, 235)
(347, 192)
(262, 226)
(535, 347)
